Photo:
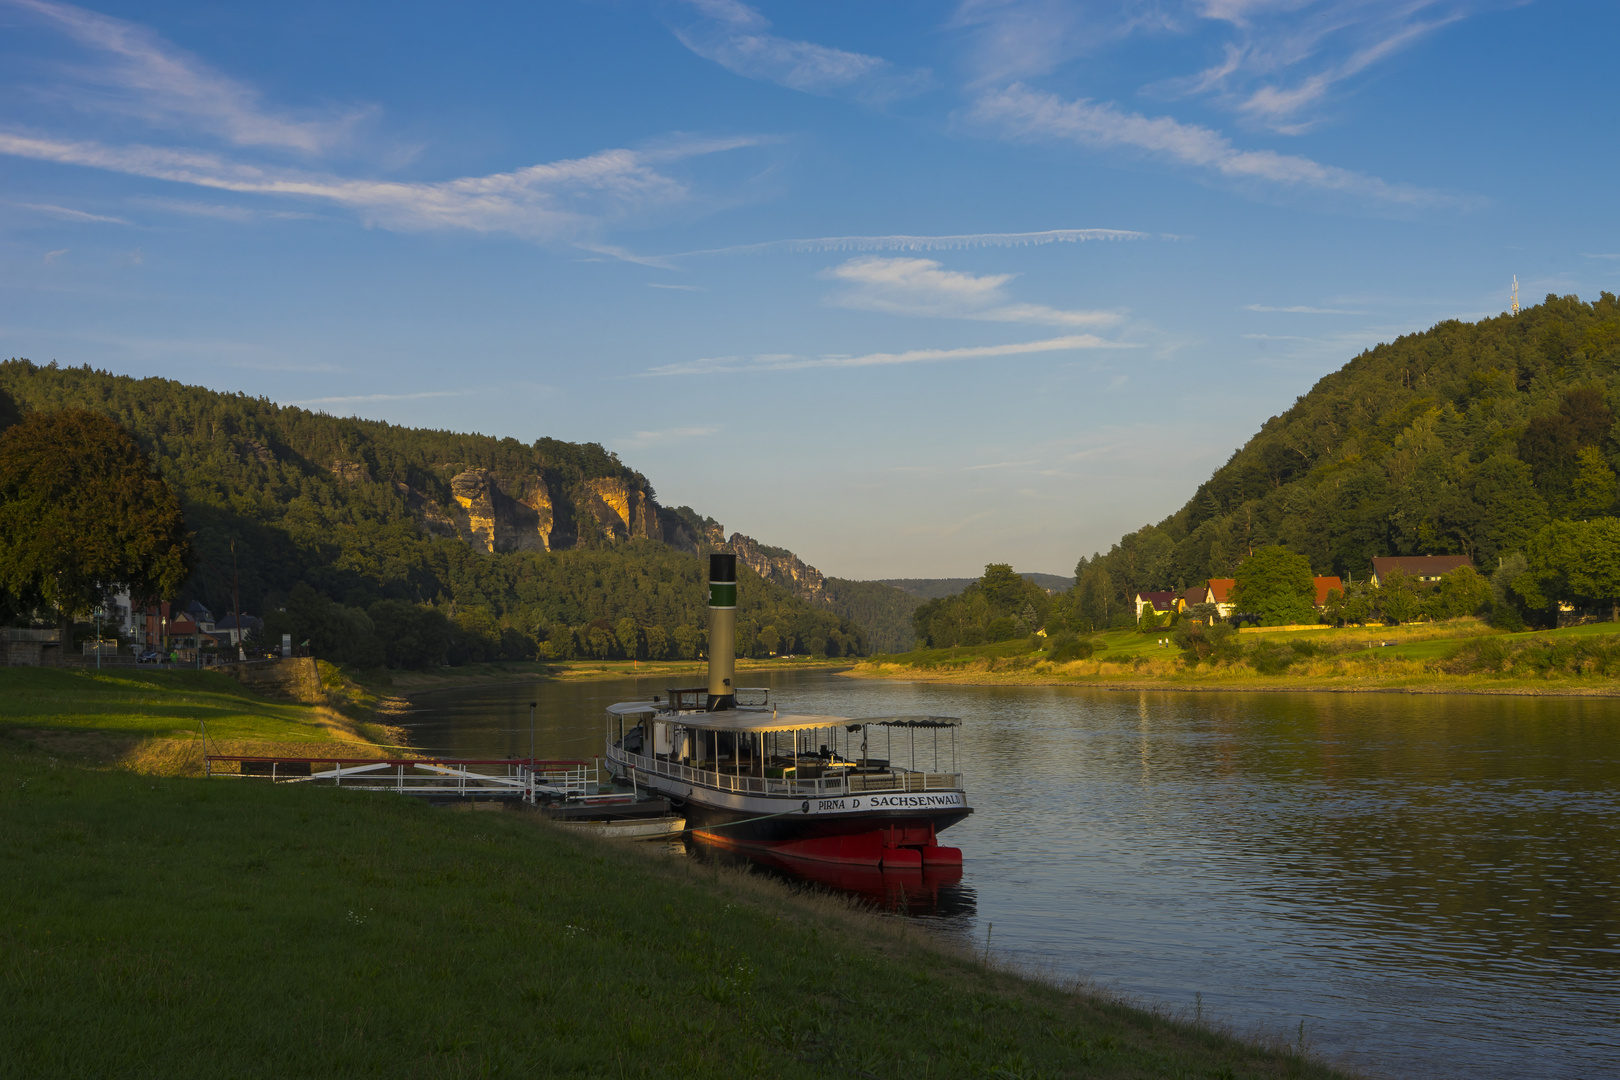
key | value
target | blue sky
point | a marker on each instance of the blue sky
(907, 287)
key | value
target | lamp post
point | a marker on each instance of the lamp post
(531, 751)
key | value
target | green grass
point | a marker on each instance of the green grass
(148, 703)
(173, 928)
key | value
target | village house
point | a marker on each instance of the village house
(1160, 603)
(1425, 568)
(1325, 585)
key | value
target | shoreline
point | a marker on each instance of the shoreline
(901, 673)
(408, 685)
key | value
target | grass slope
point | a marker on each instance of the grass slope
(154, 719)
(176, 928)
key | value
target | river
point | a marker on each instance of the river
(1431, 884)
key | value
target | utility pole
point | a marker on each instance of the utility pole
(236, 601)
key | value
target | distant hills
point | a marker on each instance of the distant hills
(1464, 439)
(939, 588)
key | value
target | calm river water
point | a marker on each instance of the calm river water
(1432, 884)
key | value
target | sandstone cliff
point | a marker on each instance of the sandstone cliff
(542, 510)
(781, 567)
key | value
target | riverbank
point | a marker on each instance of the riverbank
(408, 683)
(164, 722)
(1460, 656)
(329, 932)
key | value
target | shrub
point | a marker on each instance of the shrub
(1215, 643)
(1271, 659)
(1063, 648)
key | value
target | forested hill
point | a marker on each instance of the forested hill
(1463, 439)
(520, 544)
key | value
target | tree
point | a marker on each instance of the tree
(413, 636)
(9, 412)
(1277, 585)
(1461, 593)
(1574, 561)
(83, 513)
(1594, 485)
(1397, 597)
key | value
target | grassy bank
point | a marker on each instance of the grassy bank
(155, 720)
(176, 927)
(1456, 656)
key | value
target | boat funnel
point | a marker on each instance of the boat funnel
(722, 632)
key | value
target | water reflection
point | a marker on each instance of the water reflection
(1428, 882)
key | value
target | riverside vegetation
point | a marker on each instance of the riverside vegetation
(176, 926)
(1454, 656)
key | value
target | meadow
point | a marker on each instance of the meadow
(181, 927)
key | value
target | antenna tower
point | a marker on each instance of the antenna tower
(1515, 294)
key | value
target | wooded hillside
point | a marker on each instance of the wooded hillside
(1463, 439)
(547, 549)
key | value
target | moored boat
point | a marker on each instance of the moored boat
(752, 778)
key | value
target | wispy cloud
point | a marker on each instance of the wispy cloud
(360, 399)
(1614, 255)
(644, 438)
(998, 465)
(218, 211)
(69, 214)
(927, 243)
(138, 74)
(1288, 56)
(1300, 310)
(680, 288)
(1280, 60)
(924, 288)
(52, 257)
(1021, 112)
(790, 362)
(738, 38)
(541, 202)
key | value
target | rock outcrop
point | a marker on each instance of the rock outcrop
(497, 522)
(781, 567)
(538, 511)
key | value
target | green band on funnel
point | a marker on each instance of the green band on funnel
(722, 594)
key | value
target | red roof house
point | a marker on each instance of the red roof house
(1325, 585)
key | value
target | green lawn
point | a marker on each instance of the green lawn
(175, 928)
(140, 703)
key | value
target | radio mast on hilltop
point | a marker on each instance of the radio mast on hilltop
(1515, 294)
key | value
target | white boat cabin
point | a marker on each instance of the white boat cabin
(755, 749)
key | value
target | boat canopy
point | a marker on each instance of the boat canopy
(910, 721)
(633, 708)
(743, 720)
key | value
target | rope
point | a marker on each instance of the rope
(744, 821)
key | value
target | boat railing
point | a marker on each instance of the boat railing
(484, 778)
(846, 782)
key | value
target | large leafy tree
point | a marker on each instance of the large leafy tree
(1574, 561)
(82, 512)
(1277, 585)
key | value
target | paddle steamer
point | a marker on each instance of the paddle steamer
(824, 788)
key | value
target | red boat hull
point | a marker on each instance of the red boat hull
(896, 847)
